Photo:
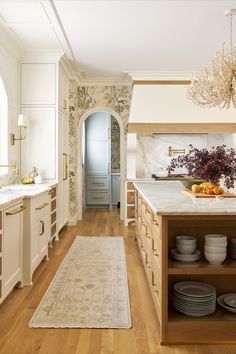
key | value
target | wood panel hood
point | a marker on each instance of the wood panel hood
(163, 107)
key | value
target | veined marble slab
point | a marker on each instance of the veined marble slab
(166, 198)
(16, 192)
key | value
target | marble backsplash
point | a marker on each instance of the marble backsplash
(152, 150)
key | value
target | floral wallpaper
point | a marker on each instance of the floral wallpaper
(115, 145)
(83, 98)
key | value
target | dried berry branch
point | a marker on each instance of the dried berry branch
(209, 165)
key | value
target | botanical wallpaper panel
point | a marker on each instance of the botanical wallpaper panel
(83, 98)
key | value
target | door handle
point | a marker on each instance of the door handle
(42, 227)
(65, 163)
(16, 211)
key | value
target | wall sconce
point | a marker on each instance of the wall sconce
(23, 122)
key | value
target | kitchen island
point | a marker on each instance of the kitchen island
(163, 212)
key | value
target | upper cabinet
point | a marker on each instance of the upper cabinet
(44, 99)
(38, 84)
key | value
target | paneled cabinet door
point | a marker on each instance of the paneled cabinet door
(12, 247)
(39, 148)
(63, 185)
(44, 235)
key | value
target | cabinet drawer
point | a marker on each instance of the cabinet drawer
(53, 217)
(53, 229)
(130, 185)
(0, 220)
(130, 212)
(130, 197)
(40, 206)
(97, 198)
(53, 205)
(53, 192)
(94, 183)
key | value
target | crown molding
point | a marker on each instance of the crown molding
(42, 56)
(159, 75)
(103, 81)
(51, 12)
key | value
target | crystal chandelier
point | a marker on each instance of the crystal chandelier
(216, 85)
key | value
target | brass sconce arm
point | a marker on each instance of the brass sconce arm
(172, 151)
(13, 166)
(13, 139)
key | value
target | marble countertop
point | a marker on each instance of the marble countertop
(166, 198)
(14, 193)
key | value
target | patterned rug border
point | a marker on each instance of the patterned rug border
(76, 325)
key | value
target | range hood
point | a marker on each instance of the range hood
(164, 108)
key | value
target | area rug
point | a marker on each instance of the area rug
(90, 289)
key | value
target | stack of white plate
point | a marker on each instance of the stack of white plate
(195, 299)
(228, 301)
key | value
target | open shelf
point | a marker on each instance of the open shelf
(201, 267)
(219, 315)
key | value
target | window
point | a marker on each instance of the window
(3, 129)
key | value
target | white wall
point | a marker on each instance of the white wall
(9, 72)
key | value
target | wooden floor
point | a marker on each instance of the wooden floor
(142, 338)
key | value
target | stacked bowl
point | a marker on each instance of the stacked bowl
(215, 248)
(233, 248)
(185, 250)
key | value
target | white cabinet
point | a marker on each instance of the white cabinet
(11, 239)
(38, 84)
(63, 180)
(37, 226)
(39, 148)
(45, 99)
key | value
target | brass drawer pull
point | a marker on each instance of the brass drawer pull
(42, 206)
(52, 191)
(42, 227)
(155, 253)
(99, 183)
(100, 198)
(16, 211)
(155, 289)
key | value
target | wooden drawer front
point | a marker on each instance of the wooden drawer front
(0, 243)
(156, 293)
(95, 183)
(130, 185)
(0, 220)
(53, 192)
(53, 229)
(0, 266)
(130, 212)
(98, 198)
(130, 197)
(53, 205)
(156, 265)
(53, 217)
(40, 206)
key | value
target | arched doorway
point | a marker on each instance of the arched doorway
(81, 157)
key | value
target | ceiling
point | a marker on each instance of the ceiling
(107, 38)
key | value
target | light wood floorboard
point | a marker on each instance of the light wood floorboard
(142, 338)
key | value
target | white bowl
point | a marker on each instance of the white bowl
(212, 249)
(215, 238)
(187, 240)
(185, 249)
(216, 244)
(214, 258)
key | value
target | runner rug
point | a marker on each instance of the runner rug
(90, 289)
